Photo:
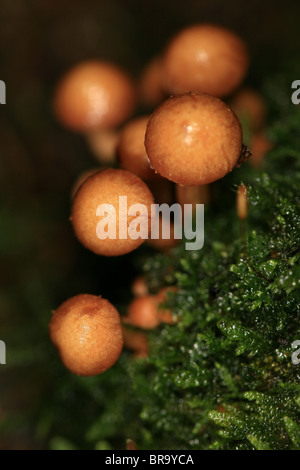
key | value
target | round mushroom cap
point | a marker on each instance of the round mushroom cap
(150, 85)
(94, 95)
(142, 312)
(193, 139)
(205, 58)
(97, 207)
(87, 331)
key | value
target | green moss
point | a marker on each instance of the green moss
(222, 377)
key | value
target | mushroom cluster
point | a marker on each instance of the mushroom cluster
(165, 136)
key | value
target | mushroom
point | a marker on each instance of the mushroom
(250, 107)
(193, 139)
(142, 312)
(205, 58)
(94, 95)
(139, 287)
(87, 331)
(136, 341)
(98, 205)
(147, 312)
(131, 149)
(150, 85)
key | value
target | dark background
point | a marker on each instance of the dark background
(41, 262)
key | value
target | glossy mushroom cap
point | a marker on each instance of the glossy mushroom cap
(193, 139)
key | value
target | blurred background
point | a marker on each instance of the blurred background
(42, 264)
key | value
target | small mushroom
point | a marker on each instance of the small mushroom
(205, 58)
(142, 313)
(147, 311)
(87, 331)
(139, 287)
(193, 139)
(94, 95)
(150, 84)
(104, 190)
(131, 149)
